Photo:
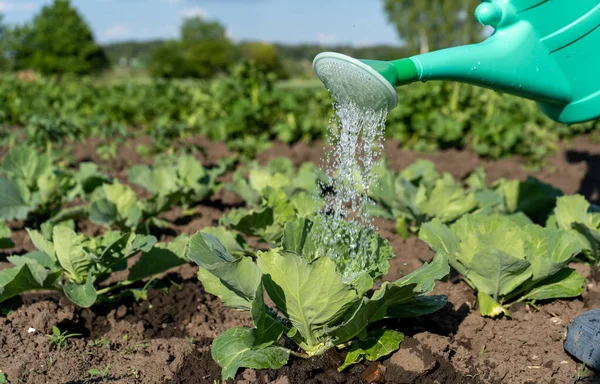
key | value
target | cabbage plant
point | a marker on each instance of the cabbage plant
(321, 300)
(417, 194)
(507, 260)
(31, 185)
(274, 194)
(181, 180)
(78, 265)
(576, 215)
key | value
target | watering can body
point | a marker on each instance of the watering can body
(544, 50)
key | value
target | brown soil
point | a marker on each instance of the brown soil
(167, 338)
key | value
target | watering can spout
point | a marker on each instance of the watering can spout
(545, 51)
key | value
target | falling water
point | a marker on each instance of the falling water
(355, 139)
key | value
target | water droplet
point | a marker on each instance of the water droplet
(356, 137)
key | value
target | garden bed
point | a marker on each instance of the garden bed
(167, 337)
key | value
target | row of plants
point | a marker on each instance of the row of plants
(323, 298)
(247, 109)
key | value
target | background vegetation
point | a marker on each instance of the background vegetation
(59, 84)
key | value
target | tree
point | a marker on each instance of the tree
(434, 24)
(203, 51)
(59, 41)
(197, 29)
(4, 45)
(264, 55)
(168, 61)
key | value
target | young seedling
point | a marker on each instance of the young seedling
(134, 373)
(101, 342)
(58, 339)
(102, 374)
(582, 373)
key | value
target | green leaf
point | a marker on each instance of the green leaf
(69, 250)
(297, 238)
(122, 196)
(38, 271)
(236, 281)
(20, 279)
(161, 180)
(40, 258)
(26, 164)
(371, 310)
(124, 247)
(241, 187)
(305, 204)
(233, 242)
(139, 243)
(205, 250)
(307, 179)
(89, 178)
(14, 200)
(41, 243)
(551, 250)
(520, 219)
(310, 295)
(536, 199)
(236, 348)
(425, 276)
(252, 223)
(376, 345)
(497, 273)
(571, 209)
(446, 200)
(391, 298)
(566, 283)
(260, 178)
(83, 295)
(103, 212)
(160, 258)
(421, 305)
(489, 307)
(5, 241)
(439, 237)
(114, 252)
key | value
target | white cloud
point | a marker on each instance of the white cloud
(117, 31)
(326, 38)
(14, 6)
(193, 12)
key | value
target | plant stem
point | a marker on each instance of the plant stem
(298, 354)
(111, 288)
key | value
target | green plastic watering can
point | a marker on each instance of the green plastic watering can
(544, 50)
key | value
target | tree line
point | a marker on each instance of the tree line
(59, 41)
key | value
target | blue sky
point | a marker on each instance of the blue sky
(358, 22)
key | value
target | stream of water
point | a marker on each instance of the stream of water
(355, 137)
